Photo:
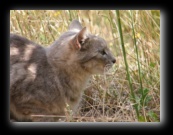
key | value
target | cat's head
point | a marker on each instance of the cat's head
(79, 49)
(92, 51)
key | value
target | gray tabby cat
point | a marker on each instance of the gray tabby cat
(44, 80)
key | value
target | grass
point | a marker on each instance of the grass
(130, 91)
(126, 64)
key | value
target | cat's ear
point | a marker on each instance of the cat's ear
(75, 24)
(79, 39)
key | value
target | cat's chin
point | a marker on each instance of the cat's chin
(97, 71)
(102, 70)
(107, 67)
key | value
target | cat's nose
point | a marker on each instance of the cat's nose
(114, 60)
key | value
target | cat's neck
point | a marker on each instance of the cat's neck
(73, 75)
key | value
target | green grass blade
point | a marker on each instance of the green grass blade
(126, 64)
(137, 56)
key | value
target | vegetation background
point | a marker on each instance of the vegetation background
(130, 91)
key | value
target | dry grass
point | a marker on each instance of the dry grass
(107, 98)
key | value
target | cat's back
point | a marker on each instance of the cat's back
(26, 57)
(24, 50)
(16, 40)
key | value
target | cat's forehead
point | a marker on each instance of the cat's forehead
(98, 41)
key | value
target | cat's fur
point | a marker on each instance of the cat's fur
(44, 80)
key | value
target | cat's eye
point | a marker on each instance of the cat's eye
(103, 52)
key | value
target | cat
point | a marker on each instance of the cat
(44, 80)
